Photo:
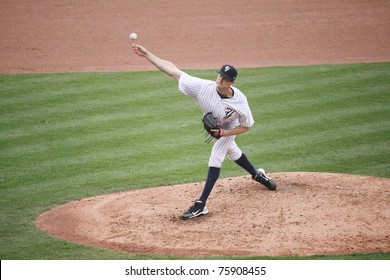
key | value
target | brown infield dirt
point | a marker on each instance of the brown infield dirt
(310, 213)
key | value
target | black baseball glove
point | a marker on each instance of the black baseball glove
(212, 127)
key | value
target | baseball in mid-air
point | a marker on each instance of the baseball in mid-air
(133, 36)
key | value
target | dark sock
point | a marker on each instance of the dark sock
(245, 163)
(212, 177)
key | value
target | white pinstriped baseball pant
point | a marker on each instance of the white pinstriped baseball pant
(224, 146)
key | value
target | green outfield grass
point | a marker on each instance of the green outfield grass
(74, 135)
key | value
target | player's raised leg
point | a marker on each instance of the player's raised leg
(257, 174)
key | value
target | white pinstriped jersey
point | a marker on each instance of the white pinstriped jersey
(230, 112)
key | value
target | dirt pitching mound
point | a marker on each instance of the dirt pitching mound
(310, 213)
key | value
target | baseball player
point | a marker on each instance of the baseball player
(229, 105)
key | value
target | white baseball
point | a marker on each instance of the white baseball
(133, 36)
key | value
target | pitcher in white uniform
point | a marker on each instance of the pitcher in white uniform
(230, 106)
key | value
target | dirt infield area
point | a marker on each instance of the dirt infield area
(87, 35)
(310, 213)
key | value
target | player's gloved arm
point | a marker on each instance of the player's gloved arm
(163, 65)
(235, 131)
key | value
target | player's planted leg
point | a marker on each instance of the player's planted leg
(199, 208)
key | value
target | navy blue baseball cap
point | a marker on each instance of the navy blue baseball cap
(228, 71)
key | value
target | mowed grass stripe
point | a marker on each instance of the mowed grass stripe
(42, 120)
(320, 151)
(307, 117)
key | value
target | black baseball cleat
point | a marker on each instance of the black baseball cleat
(264, 180)
(199, 208)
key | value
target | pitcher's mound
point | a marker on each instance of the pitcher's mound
(310, 213)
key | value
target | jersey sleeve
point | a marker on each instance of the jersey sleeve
(246, 117)
(191, 86)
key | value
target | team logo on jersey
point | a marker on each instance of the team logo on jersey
(229, 112)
